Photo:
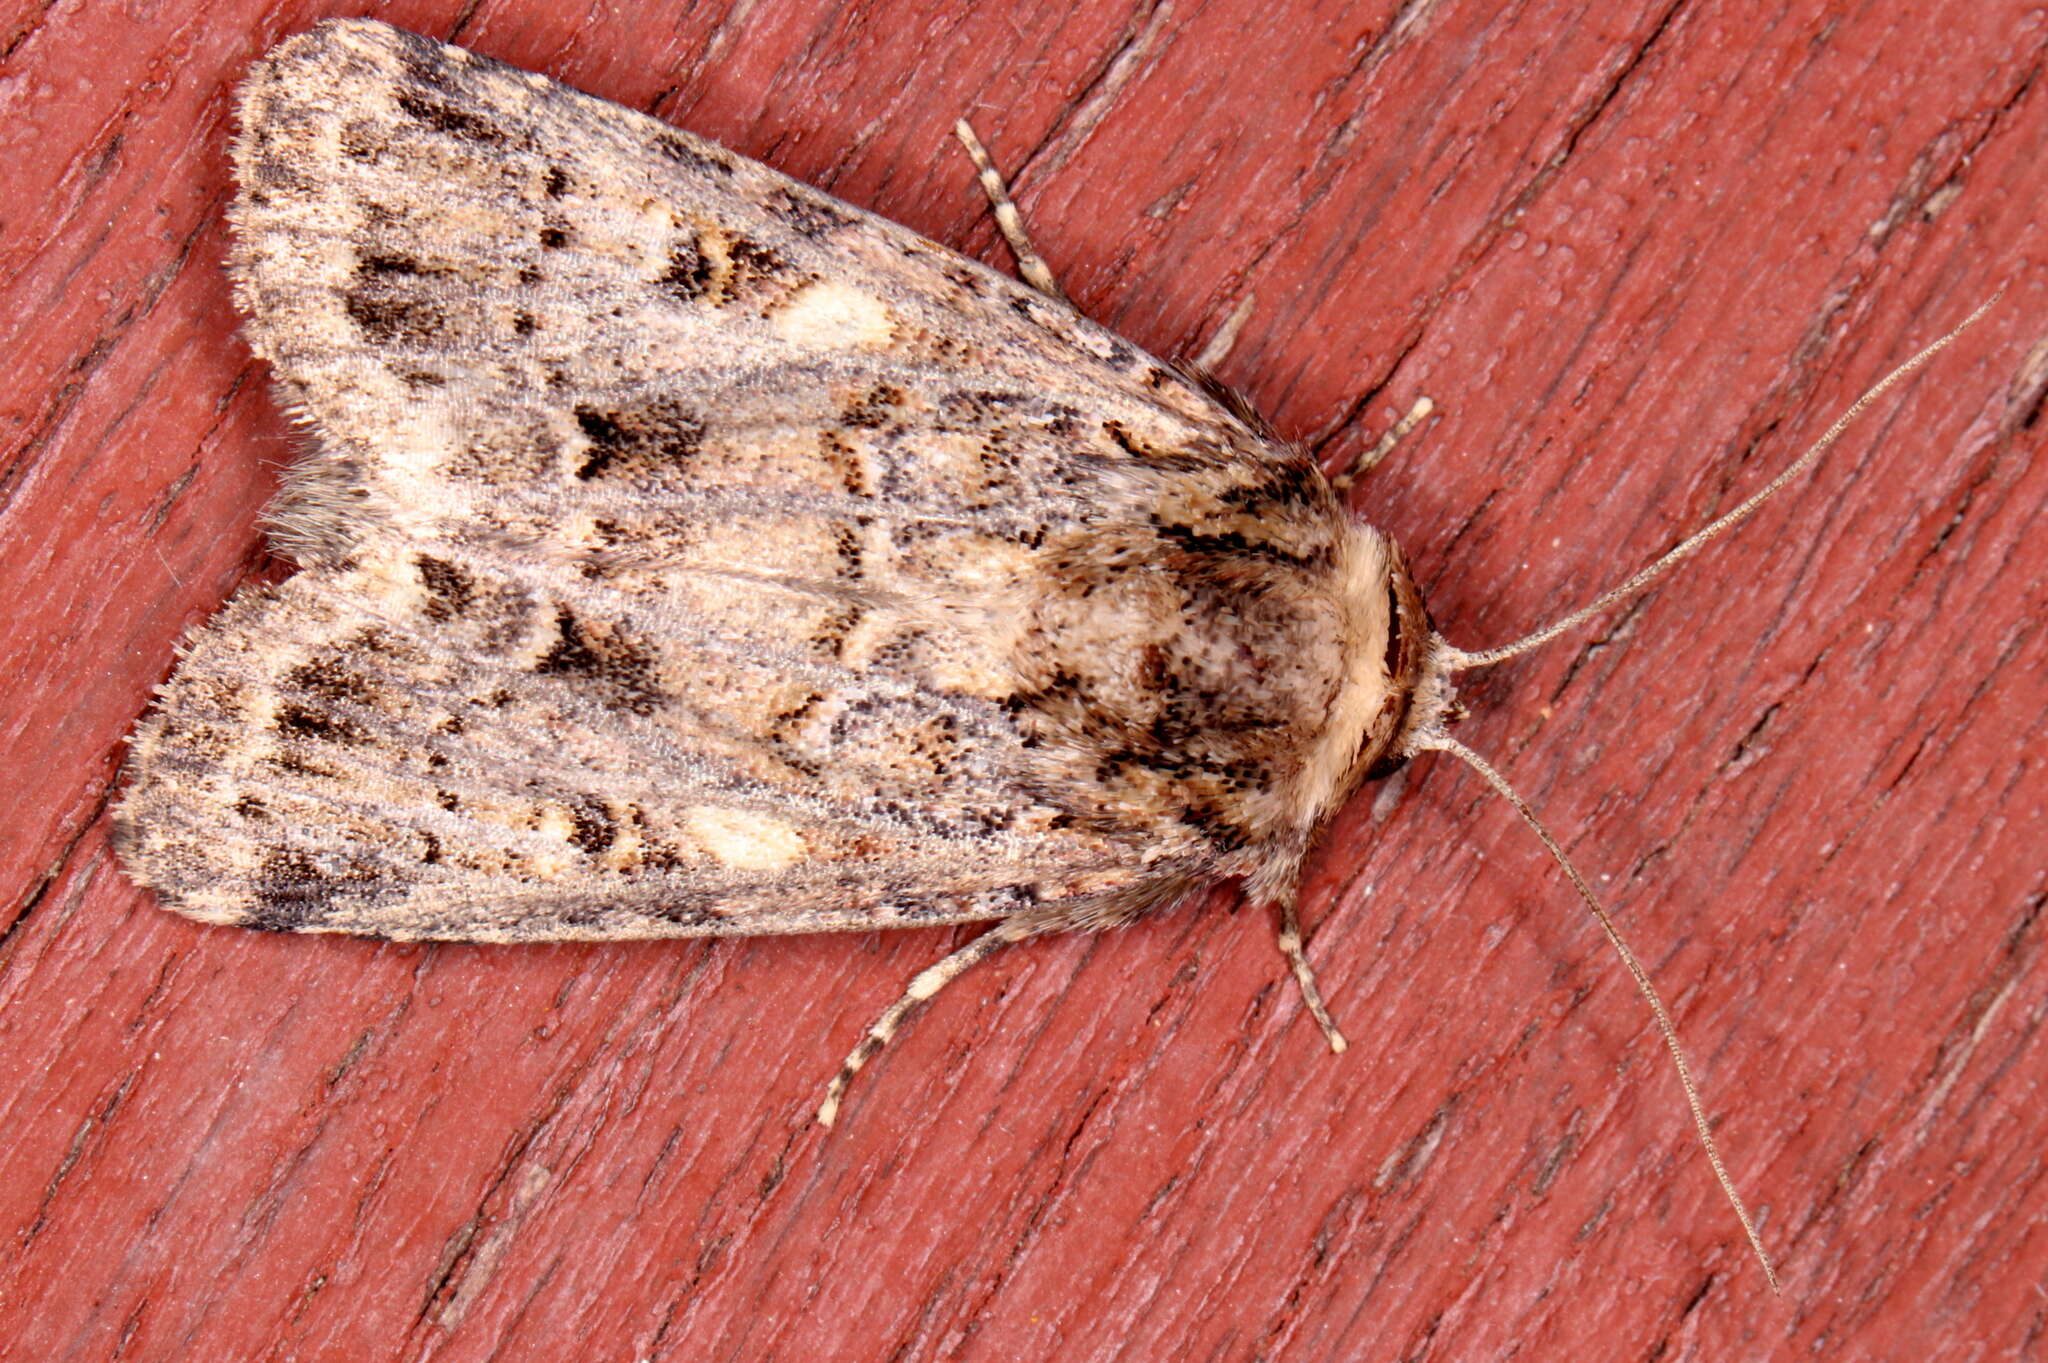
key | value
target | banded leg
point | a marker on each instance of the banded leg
(928, 982)
(1031, 266)
(1365, 463)
(1290, 947)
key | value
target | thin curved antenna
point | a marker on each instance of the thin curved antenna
(1457, 660)
(1443, 742)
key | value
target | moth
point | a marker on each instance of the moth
(687, 553)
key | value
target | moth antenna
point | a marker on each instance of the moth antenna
(923, 985)
(1443, 742)
(1457, 660)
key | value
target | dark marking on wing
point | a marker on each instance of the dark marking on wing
(876, 408)
(844, 462)
(330, 679)
(676, 149)
(1228, 544)
(293, 890)
(450, 591)
(806, 215)
(394, 265)
(592, 827)
(837, 625)
(303, 721)
(444, 117)
(289, 891)
(644, 444)
(753, 264)
(605, 655)
(389, 319)
(689, 273)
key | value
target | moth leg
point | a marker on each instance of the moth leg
(928, 982)
(1290, 947)
(1030, 264)
(1365, 463)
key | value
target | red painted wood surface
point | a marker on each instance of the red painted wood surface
(1639, 253)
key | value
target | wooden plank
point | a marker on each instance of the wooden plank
(1639, 253)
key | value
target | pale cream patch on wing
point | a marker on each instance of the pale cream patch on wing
(743, 839)
(834, 316)
(555, 824)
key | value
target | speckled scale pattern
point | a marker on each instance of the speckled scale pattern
(687, 552)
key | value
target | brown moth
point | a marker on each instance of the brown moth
(688, 553)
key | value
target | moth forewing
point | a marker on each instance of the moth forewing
(685, 552)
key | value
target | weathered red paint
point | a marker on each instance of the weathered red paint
(1639, 253)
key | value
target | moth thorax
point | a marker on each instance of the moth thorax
(1393, 685)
